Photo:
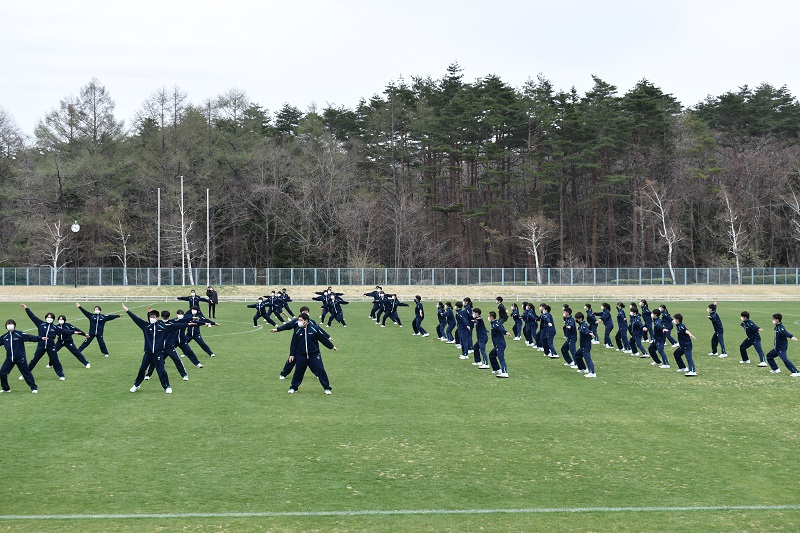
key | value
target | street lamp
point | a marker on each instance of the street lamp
(75, 229)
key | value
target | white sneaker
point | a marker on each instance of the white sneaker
(212, 355)
(425, 334)
(33, 391)
(795, 375)
(401, 325)
(517, 338)
(690, 374)
(451, 342)
(502, 375)
(584, 371)
(168, 390)
(281, 376)
(627, 351)
(470, 351)
(199, 365)
(676, 345)
(147, 378)
(463, 357)
(61, 378)
(186, 378)
(744, 362)
(527, 343)
(569, 364)
(590, 375)
(653, 363)
(553, 356)
(595, 342)
(292, 391)
(572, 365)
(713, 353)
(663, 366)
(776, 371)
(88, 365)
(328, 392)
(458, 346)
(683, 370)
(134, 388)
(476, 364)
(495, 372)
(383, 326)
(762, 364)
(484, 366)
(48, 366)
(722, 355)
(21, 378)
(415, 334)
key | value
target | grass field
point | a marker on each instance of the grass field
(412, 439)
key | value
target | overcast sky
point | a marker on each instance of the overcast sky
(336, 52)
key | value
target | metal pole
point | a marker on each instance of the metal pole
(208, 239)
(159, 238)
(183, 236)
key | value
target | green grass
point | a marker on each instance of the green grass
(409, 427)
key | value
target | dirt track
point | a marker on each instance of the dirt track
(550, 293)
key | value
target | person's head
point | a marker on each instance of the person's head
(302, 320)
(662, 308)
(634, 311)
(305, 309)
(152, 315)
(745, 316)
(50, 318)
(468, 301)
(499, 299)
(548, 308)
(440, 304)
(565, 306)
(62, 319)
(712, 308)
(514, 306)
(448, 305)
(567, 312)
(643, 302)
(97, 309)
(417, 298)
(587, 307)
(272, 293)
(620, 305)
(283, 290)
(634, 306)
(476, 312)
(260, 299)
(605, 306)
(192, 293)
(492, 315)
(655, 313)
(164, 315)
(378, 287)
(209, 288)
(10, 324)
(578, 317)
(677, 318)
(777, 318)
(542, 307)
(195, 310)
(179, 313)
(459, 305)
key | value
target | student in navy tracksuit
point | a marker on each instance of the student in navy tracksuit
(647, 318)
(285, 299)
(501, 310)
(274, 306)
(666, 319)
(194, 300)
(376, 300)
(549, 332)
(781, 346)
(450, 320)
(48, 332)
(530, 322)
(391, 311)
(213, 300)
(290, 326)
(481, 338)
(571, 334)
(608, 324)
(515, 316)
(155, 332)
(753, 339)
(658, 334)
(65, 333)
(468, 314)
(383, 303)
(97, 323)
(182, 340)
(194, 333)
(497, 356)
(335, 304)
(464, 332)
(442, 322)
(540, 339)
(419, 316)
(591, 319)
(584, 355)
(176, 336)
(304, 352)
(261, 311)
(622, 330)
(637, 329)
(685, 341)
(14, 343)
(716, 338)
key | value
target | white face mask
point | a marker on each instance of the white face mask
(193, 295)
(61, 322)
(49, 320)
(775, 322)
(153, 320)
(675, 322)
(301, 323)
(179, 316)
(10, 327)
(97, 311)
(194, 311)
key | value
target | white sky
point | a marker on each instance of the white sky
(335, 52)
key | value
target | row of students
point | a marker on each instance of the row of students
(274, 303)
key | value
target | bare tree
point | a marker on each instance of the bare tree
(656, 194)
(56, 250)
(125, 251)
(735, 231)
(538, 229)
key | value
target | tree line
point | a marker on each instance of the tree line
(431, 172)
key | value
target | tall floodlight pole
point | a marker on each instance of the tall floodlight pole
(208, 239)
(159, 236)
(183, 236)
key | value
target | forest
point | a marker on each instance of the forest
(429, 173)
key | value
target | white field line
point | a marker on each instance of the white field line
(401, 512)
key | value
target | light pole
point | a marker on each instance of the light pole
(75, 229)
